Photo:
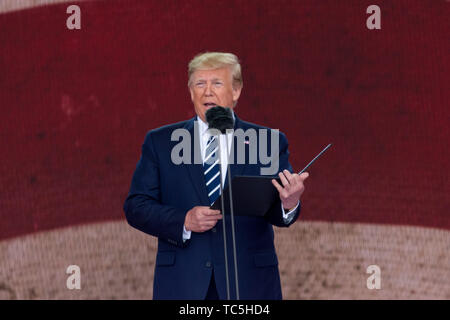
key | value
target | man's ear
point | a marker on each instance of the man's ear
(192, 93)
(236, 93)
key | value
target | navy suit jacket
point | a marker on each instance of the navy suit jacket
(162, 192)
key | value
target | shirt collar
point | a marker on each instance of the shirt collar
(202, 126)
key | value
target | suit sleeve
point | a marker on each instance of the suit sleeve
(142, 207)
(275, 214)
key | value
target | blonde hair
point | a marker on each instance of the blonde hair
(216, 60)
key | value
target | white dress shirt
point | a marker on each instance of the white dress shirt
(204, 137)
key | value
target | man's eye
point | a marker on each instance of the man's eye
(200, 85)
(218, 83)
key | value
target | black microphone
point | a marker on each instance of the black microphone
(221, 118)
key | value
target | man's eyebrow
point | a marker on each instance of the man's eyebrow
(204, 80)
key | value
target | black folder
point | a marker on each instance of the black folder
(252, 196)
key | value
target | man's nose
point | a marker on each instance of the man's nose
(208, 90)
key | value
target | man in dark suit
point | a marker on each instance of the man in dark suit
(172, 201)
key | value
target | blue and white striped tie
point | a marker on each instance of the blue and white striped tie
(211, 169)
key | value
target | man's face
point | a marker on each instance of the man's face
(210, 88)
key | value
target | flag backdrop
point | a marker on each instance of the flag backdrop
(76, 104)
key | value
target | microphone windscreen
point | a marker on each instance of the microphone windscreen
(220, 118)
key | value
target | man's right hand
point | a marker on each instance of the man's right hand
(201, 219)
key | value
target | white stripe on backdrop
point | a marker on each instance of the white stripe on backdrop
(15, 5)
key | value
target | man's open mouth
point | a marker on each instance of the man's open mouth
(209, 104)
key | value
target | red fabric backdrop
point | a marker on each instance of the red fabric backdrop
(75, 105)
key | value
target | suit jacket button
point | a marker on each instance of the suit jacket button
(214, 230)
(208, 264)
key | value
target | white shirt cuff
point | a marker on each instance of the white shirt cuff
(186, 234)
(287, 217)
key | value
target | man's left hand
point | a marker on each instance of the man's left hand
(292, 188)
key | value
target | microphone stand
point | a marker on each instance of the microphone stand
(227, 276)
(219, 117)
(232, 220)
